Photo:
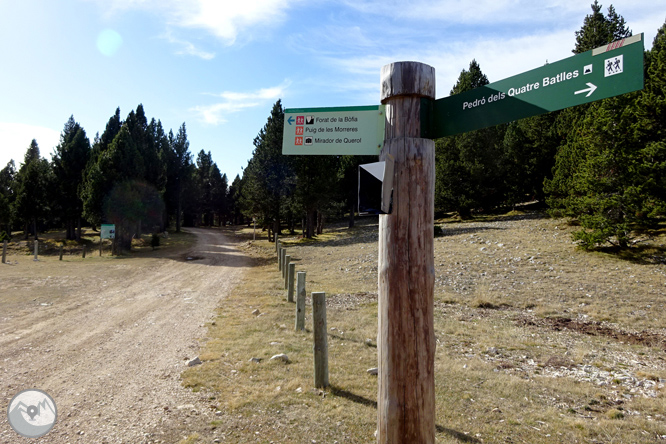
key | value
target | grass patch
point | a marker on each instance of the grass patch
(505, 371)
(273, 397)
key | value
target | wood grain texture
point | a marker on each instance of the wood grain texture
(290, 282)
(300, 300)
(320, 339)
(406, 276)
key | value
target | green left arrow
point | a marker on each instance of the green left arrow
(593, 75)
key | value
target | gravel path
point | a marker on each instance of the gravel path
(111, 353)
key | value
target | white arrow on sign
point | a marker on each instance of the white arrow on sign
(589, 91)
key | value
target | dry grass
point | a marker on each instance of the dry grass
(553, 347)
(50, 242)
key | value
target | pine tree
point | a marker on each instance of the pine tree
(201, 202)
(268, 178)
(235, 200)
(468, 174)
(597, 30)
(529, 148)
(34, 180)
(69, 162)
(93, 196)
(7, 196)
(618, 181)
(316, 187)
(219, 192)
(178, 173)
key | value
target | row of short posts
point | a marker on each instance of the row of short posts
(36, 251)
(320, 348)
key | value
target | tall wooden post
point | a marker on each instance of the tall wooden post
(4, 251)
(406, 338)
(36, 250)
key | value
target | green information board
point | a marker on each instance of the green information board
(593, 75)
(107, 231)
(352, 130)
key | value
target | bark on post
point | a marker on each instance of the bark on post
(300, 300)
(406, 339)
(320, 339)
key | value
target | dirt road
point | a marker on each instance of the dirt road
(108, 338)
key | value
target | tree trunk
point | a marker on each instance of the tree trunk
(351, 215)
(34, 228)
(178, 210)
(321, 218)
(78, 229)
(465, 213)
(310, 223)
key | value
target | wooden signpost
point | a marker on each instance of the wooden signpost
(406, 337)
(406, 272)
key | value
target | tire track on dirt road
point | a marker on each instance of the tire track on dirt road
(111, 355)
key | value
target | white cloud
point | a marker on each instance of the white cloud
(234, 102)
(480, 13)
(15, 139)
(188, 48)
(226, 20)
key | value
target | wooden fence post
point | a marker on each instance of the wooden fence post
(283, 253)
(84, 252)
(36, 250)
(320, 339)
(300, 300)
(406, 274)
(4, 251)
(100, 247)
(290, 282)
(60, 252)
(285, 274)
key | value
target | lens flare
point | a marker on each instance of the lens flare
(109, 42)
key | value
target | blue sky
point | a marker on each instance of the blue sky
(220, 65)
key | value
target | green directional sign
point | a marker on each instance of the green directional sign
(352, 130)
(593, 75)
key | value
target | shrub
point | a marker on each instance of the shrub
(155, 240)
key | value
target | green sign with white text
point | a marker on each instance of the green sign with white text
(593, 75)
(352, 130)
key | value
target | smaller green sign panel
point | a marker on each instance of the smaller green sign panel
(352, 130)
(593, 75)
(107, 231)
